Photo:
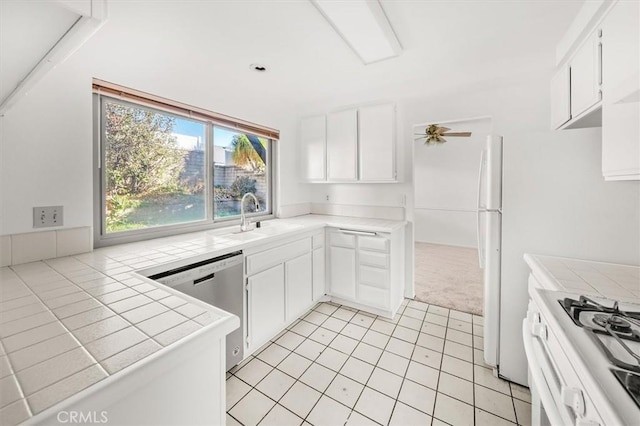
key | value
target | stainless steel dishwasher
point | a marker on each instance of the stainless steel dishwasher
(218, 282)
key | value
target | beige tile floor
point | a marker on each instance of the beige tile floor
(338, 366)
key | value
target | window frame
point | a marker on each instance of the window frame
(103, 239)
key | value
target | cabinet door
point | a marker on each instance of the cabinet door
(313, 143)
(266, 310)
(343, 272)
(342, 134)
(319, 288)
(560, 98)
(620, 114)
(585, 76)
(376, 142)
(298, 279)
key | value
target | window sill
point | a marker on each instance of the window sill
(161, 232)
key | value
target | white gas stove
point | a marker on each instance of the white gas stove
(584, 359)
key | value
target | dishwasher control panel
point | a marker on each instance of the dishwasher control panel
(197, 271)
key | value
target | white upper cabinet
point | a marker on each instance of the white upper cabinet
(376, 136)
(313, 144)
(350, 145)
(586, 75)
(621, 93)
(560, 97)
(604, 73)
(342, 145)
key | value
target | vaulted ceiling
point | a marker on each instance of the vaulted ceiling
(210, 45)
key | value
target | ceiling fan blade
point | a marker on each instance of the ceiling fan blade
(458, 134)
(443, 129)
(423, 137)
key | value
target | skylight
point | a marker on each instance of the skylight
(364, 27)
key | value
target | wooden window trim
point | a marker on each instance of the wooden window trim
(102, 87)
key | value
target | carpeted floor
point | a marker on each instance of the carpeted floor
(449, 276)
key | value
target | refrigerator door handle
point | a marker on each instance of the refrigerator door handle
(478, 211)
(480, 176)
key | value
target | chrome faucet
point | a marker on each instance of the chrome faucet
(244, 223)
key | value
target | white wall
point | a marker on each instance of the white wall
(445, 195)
(46, 142)
(555, 199)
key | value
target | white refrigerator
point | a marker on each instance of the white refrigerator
(489, 226)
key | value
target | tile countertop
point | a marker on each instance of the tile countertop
(70, 322)
(609, 280)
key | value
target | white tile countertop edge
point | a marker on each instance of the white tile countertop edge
(223, 326)
(590, 278)
(168, 252)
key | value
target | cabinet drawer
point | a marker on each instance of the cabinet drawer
(338, 239)
(374, 243)
(318, 240)
(373, 296)
(376, 277)
(372, 258)
(268, 258)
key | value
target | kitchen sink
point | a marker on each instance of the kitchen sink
(277, 228)
(266, 230)
(245, 236)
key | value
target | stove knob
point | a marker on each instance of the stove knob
(539, 330)
(572, 397)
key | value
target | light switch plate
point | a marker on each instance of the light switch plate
(48, 216)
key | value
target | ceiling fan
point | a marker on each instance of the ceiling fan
(435, 134)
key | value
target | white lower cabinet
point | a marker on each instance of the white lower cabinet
(298, 276)
(319, 288)
(362, 269)
(283, 282)
(343, 272)
(366, 269)
(266, 304)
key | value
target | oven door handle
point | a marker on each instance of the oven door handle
(538, 379)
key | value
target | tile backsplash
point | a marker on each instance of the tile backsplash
(33, 246)
(353, 210)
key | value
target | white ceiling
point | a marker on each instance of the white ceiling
(28, 30)
(210, 45)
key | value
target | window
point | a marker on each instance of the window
(166, 170)
(240, 165)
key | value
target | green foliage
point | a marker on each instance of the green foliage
(222, 193)
(118, 208)
(242, 185)
(244, 155)
(141, 158)
(141, 154)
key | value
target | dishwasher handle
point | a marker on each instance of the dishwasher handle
(203, 279)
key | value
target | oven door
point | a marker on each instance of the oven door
(559, 396)
(544, 410)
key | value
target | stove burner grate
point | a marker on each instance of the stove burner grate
(631, 382)
(625, 325)
(617, 324)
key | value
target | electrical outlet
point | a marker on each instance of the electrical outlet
(327, 197)
(45, 217)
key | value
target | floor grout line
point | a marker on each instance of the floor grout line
(401, 313)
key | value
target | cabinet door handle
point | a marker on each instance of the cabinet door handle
(599, 63)
(348, 231)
